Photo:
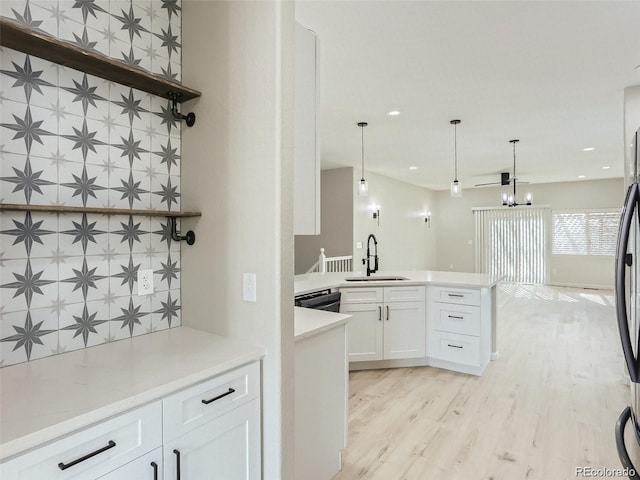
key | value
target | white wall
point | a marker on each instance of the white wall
(238, 169)
(456, 227)
(336, 225)
(405, 241)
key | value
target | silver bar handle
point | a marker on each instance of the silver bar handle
(626, 220)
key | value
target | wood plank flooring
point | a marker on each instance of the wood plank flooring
(547, 406)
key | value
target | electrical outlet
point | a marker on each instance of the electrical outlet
(145, 282)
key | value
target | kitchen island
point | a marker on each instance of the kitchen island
(413, 318)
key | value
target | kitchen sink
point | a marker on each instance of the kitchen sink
(378, 278)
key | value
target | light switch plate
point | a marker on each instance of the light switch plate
(249, 287)
(145, 282)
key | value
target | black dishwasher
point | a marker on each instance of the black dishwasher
(321, 300)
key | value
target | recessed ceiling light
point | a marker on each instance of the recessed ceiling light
(393, 113)
(582, 176)
(413, 168)
(588, 149)
(606, 167)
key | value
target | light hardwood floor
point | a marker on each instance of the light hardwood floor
(547, 406)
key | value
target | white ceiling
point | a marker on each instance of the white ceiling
(551, 74)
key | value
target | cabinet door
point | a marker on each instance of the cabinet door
(404, 330)
(306, 205)
(226, 448)
(364, 331)
(147, 467)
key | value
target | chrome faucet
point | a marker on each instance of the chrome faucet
(375, 256)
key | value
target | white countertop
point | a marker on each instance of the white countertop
(50, 397)
(309, 322)
(318, 281)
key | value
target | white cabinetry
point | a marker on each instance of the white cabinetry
(147, 467)
(321, 403)
(306, 151)
(459, 336)
(93, 452)
(387, 323)
(212, 430)
(227, 447)
(213, 426)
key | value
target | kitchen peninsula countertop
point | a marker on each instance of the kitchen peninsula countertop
(50, 397)
(309, 322)
(311, 282)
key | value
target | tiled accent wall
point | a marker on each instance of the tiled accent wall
(68, 281)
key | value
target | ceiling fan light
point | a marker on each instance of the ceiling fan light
(505, 198)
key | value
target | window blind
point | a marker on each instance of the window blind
(585, 232)
(512, 243)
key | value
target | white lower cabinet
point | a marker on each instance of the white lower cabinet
(393, 328)
(404, 330)
(365, 331)
(459, 332)
(93, 452)
(147, 467)
(227, 448)
(218, 423)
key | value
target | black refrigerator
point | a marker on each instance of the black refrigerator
(627, 289)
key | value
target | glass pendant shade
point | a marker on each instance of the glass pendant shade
(528, 198)
(363, 188)
(505, 198)
(456, 189)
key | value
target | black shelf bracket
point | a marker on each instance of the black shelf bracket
(190, 237)
(189, 118)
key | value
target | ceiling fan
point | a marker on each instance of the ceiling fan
(505, 177)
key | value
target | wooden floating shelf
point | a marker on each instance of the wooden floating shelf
(41, 45)
(15, 207)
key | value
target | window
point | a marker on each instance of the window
(585, 232)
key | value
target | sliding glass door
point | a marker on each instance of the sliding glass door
(513, 243)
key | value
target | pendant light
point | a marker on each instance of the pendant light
(509, 199)
(363, 186)
(456, 188)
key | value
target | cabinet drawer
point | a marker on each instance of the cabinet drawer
(454, 348)
(93, 452)
(190, 408)
(147, 467)
(462, 296)
(361, 295)
(455, 318)
(414, 293)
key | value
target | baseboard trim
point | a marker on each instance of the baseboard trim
(420, 362)
(581, 285)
